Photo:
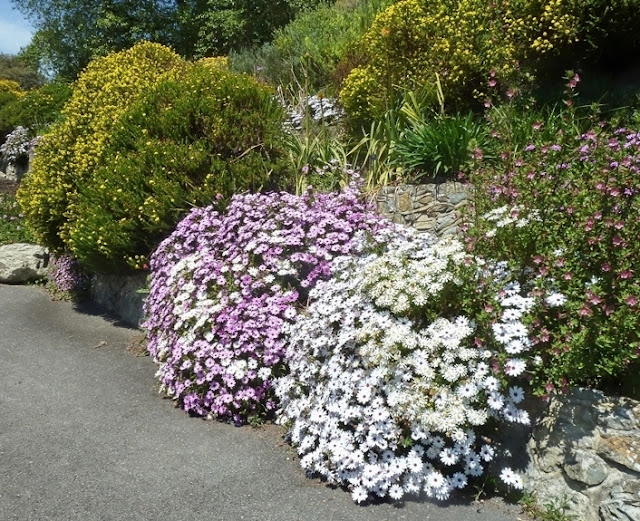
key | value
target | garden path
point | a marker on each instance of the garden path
(84, 435)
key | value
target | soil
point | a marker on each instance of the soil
(8, 187)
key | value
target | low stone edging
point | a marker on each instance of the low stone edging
(120, 295)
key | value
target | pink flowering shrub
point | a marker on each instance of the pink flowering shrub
(403, 367)
(66, 276)
(565, 215)
(224, 285)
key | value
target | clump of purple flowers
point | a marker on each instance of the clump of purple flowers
(66, 276)
(224, 285)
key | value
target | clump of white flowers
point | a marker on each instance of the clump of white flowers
(319, 109)
(17, 145)
(397, 370)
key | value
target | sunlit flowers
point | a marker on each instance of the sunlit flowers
(224, 286)
(388, 390)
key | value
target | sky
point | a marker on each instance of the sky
(15, 31)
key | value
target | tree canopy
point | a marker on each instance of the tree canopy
(18, 69)
(70, 33)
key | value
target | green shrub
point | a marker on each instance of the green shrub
(199, 135)
(562, 213)
(37, 108)
(41, 107)
(72, 151)
(10, 94)
(314, 48)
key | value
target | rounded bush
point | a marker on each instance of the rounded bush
(200, 134)
(70, 153)
(223, 286)
(403, 367)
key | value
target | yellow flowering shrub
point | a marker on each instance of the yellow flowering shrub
(12, 87)
(199, 135)
(461, 41)
(414, 40)
(71, 152)
(10, 95)
(216, 62)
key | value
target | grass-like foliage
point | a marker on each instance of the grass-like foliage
(199, 134)
(442, 145)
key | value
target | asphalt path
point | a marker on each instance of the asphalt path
(84, 435)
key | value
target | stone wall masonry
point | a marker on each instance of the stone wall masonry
(585, 453)
(434, 207)
(13, 171)
(119, 295)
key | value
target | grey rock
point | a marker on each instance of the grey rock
(404, 202)
(586, 448)
(425, 199)
(623, 449)
(446, 221)
(619, 510)
(587, 468)
(120, 295)
(22, 262)
(456, 197)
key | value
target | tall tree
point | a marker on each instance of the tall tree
(70, 33)
(18, 69)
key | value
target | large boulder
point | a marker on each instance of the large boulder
(22, 262)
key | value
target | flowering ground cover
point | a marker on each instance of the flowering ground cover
(224, 285)
(391, 358)
(401, 365)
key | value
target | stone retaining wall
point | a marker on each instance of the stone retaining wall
(119, 295)
(434, 207)
(585, 454)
